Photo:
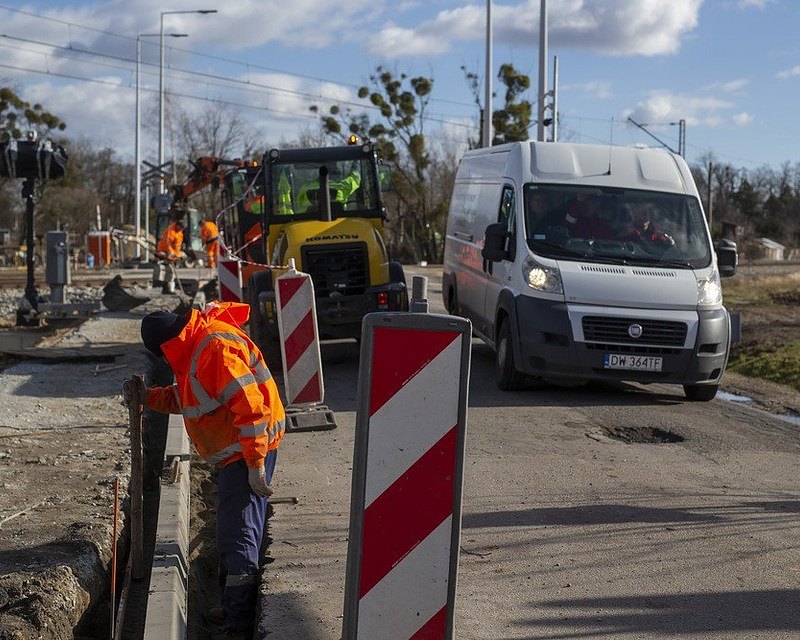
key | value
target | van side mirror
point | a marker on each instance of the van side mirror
(727, 257)
(494, 244)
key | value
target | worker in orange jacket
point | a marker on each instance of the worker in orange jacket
(209, 236)
(235, 419)
(171, 242)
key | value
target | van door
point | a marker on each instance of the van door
(498, 274)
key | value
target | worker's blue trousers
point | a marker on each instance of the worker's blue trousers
(240, 529)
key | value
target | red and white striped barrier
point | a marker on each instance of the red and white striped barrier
(229, 277)
(405, 515)
(297, 324)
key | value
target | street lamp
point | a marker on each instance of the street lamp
(161, 87)
(138, 160)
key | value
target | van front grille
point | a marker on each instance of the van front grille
(615, 330)
(337, 268)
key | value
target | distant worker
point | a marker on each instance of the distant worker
(209, 236)
(171, 243)
(235, 420)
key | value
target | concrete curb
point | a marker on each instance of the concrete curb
(169, 579)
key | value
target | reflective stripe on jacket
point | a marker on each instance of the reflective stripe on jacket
(224, 390)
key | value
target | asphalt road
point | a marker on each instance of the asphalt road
(569, 531)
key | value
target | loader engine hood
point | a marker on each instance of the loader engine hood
(628, 286)
(348, 234)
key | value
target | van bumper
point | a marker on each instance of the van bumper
(547, 348)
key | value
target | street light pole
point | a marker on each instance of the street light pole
(138, 154)
(161, 86)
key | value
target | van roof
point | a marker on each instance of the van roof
(565, 162)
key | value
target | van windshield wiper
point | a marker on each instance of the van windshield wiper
(557, 248)
(679, 264)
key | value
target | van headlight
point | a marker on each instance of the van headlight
(709, 290)
(541, 278)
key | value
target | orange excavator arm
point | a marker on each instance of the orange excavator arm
(204, 171)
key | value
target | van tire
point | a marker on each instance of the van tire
(508, 377)
(700, 392)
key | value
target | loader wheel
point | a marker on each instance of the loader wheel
(396, 273)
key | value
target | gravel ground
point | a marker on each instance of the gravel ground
(63, 441)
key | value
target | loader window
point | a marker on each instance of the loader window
(295, 189)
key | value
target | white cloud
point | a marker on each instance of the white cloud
(731, 86)
(598, 90)
(406, 42)
(789, 73)
(612, 27)
(662, 107)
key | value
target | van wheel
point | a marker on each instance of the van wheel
(508, 378)
(700, 392)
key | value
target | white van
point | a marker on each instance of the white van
(586, 262)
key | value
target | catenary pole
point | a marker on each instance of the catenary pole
(540, 129)
(487, 110)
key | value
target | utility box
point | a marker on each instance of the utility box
(56, 272)
(57, 266)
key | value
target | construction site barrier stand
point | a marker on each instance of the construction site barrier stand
(229, 277)
(405, 512)
(302, 362)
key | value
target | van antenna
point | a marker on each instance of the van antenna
(610, 144)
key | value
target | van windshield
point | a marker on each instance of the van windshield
(628, 226)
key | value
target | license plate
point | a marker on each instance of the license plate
(631, 362)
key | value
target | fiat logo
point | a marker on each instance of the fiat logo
(635, 331)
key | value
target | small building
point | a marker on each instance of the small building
(770, 250)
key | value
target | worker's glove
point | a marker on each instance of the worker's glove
(257, 477)
(128, 388)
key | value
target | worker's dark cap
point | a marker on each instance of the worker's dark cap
(160, 326)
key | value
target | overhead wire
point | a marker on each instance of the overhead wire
(220, 81)
(247, 65)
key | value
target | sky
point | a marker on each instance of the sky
(729, 68)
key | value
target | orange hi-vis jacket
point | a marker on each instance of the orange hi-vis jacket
(171, 241)
(224, 390)
(209, 234)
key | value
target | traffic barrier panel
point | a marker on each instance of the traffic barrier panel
(302, 362)
(405, 512)
(229, 276)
